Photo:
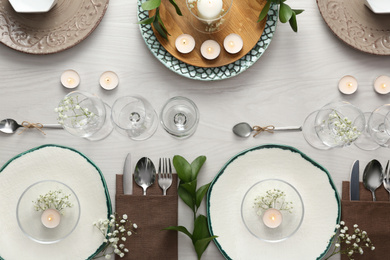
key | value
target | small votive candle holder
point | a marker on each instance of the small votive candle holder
(109, 80)
(70, 79)
(382, 84)
(185, 43)
(348, 85)
(210, 49)
(233, 43)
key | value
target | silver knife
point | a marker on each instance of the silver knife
(354, 184)
(127, 173)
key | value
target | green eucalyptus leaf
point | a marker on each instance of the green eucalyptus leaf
(196, 165)
(298, 11)
(201, 245)
(159, 29)
(176, 7)
(293, 22)
(183, 168)
(201, 229)
(264, 12)
(150, 4)
(147, 20)
(191, 188)
(186, 197)
(200, 193)
(180, 229)
(285, 13)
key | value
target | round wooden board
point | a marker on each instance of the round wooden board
(242, 21)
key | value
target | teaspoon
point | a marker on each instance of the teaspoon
(373, 177)
(244, 129)
(144, 173)
(9, 126)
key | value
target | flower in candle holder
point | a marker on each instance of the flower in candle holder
(354, 242)
(273, 199)
(115, 230)
(53, 200)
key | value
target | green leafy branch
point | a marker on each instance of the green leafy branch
(156, 20)
(286, 13)
(193, 197)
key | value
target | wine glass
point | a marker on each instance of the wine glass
(337, 124)
(179, 117)
(379, 125)
(134, 117)
(84, 115)
(365, 141)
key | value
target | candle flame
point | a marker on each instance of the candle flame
(231, 43)
(273, 218)
(184, 42)
(50, 218)
(349, 84)
(70, 80)
(383, 85)
(209, 50)
(107, 80)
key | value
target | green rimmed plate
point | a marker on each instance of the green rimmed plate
(66, 165)
(319, 195)
(208, 74)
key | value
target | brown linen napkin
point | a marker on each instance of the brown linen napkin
(151, 213)
(373, 217)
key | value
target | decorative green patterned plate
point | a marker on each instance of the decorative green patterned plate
(208, 74)
(311, 180)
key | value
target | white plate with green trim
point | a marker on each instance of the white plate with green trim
(68, 166)
(319, 195)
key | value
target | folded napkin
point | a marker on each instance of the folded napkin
(151, 213)
(373, 217)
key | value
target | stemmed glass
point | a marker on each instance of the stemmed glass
(337, 124)
(379, 125)
(135, 117)
(84, 115)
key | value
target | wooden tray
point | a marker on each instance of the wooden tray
(242, 20)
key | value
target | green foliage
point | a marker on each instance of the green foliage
(192, 197)
(156, 20)
(286, 13)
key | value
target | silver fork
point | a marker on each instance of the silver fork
(164, 174)
(386, 178)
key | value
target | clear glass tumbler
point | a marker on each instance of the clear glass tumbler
(134, 117)
(180, 117)
(84, 115)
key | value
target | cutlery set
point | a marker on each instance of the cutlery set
(373, 178)
(145, 174)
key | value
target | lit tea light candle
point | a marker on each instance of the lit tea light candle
(382, 84)
(210, 49)
(233, 43)
(109, 80)
(185, 43)
(209, 9)
(70, 79)
(51, 218)
(348, 85)
(272, 218)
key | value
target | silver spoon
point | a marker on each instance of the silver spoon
(373, 177)
(144, 173)
(9, 126)
(243, 129)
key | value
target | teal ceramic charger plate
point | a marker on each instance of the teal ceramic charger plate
(315, 185)
(208, 74)
(66, 165)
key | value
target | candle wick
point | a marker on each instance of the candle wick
(349, 84)
(108, 80)
(184, 41)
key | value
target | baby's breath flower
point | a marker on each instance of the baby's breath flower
(53, 200)
(274, 198)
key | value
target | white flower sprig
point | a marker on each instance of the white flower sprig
(71, 110)
(346, 132)
(53, 200)
(115, 230)
(274, 198)
(354, 242)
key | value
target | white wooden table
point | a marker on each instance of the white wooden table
(297, 74)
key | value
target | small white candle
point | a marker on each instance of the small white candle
(70, 79)
(109, 80)
(272, 218)
(233, 43)
(382, 84)
(210, 49)
(51, 218)
(209, 9)
(348, 85)
(185, 43)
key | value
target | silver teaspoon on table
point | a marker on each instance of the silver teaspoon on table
(373, 177)
(9, 126)
(243, 129)
(144, 173)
